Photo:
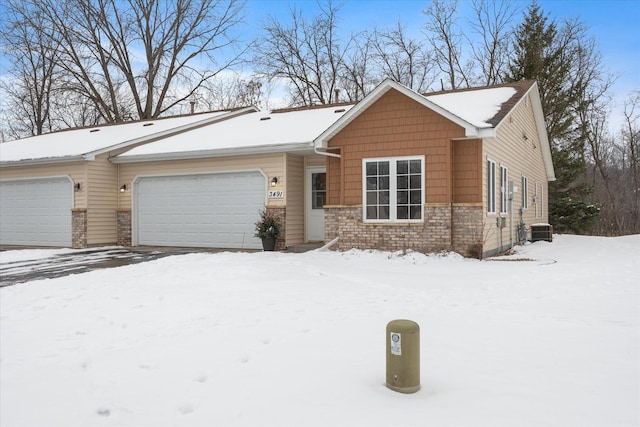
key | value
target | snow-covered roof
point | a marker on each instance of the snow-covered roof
(477, 110)
(85, 143)
(476, 107)
(480, 111)
(254, 132)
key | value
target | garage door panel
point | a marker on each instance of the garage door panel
(36, 212)
(209, 210)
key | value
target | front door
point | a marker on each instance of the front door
(316, 196)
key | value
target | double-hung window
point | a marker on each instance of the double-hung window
(504, 190)
(491, 186)
(393, 189)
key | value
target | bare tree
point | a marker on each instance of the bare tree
(32, 77)
(492, 23)
(630, 136)
(307, 54)
(137, 58)
(224, 93)
(613, 173)
(401, 58)
(446, 40)
(357, 80)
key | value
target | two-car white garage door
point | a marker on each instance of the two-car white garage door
(202, 210)
(36, 212)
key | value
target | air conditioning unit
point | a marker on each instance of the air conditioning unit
(542, 232)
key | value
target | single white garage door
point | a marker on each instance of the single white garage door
(36, 212)
(209, 210)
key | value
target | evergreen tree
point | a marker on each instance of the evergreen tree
(547, 53)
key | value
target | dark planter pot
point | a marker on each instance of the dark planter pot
(269, 243)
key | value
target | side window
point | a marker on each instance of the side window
(525, 192)
(504, 189)
(491, 186)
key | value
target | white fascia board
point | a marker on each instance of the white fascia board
(542, 133)
(541, 127)
(173, 131)
(377, 93)
(223, 152)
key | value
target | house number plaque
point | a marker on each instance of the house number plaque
(276, 194)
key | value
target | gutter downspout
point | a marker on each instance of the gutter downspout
(453, 195)
(325, 153)
(328, 245)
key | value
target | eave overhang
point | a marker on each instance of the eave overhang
(222, 152)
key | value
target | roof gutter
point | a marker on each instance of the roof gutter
(46, 160)
(224, 152)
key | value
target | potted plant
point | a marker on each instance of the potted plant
(268, 229)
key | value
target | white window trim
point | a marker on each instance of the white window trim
(504, 189)
(393, 190)
(491, 189)
(525, 192)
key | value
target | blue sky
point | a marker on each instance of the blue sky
(615, 24)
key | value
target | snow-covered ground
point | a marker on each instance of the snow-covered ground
(550, 338)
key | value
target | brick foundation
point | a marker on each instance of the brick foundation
(434, 234)
(78, 228)
(281, 213)
(467, 230)
(124, 226)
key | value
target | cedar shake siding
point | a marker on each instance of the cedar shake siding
(393, 122)
(467, 171)
(396, 126)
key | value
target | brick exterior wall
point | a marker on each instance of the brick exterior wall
(467, 230)
(124, 227)
(281, 213)
(432, 235)
(440, 230)
(78, 228)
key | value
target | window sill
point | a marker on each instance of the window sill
(395, 223)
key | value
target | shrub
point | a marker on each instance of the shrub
(268, 225)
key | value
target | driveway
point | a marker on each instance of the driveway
(84, 260)
(75, 262)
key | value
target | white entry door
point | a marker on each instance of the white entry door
(315, 198)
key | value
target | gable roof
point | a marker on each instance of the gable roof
(480, 111)
(86, 143)
(253, 133)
